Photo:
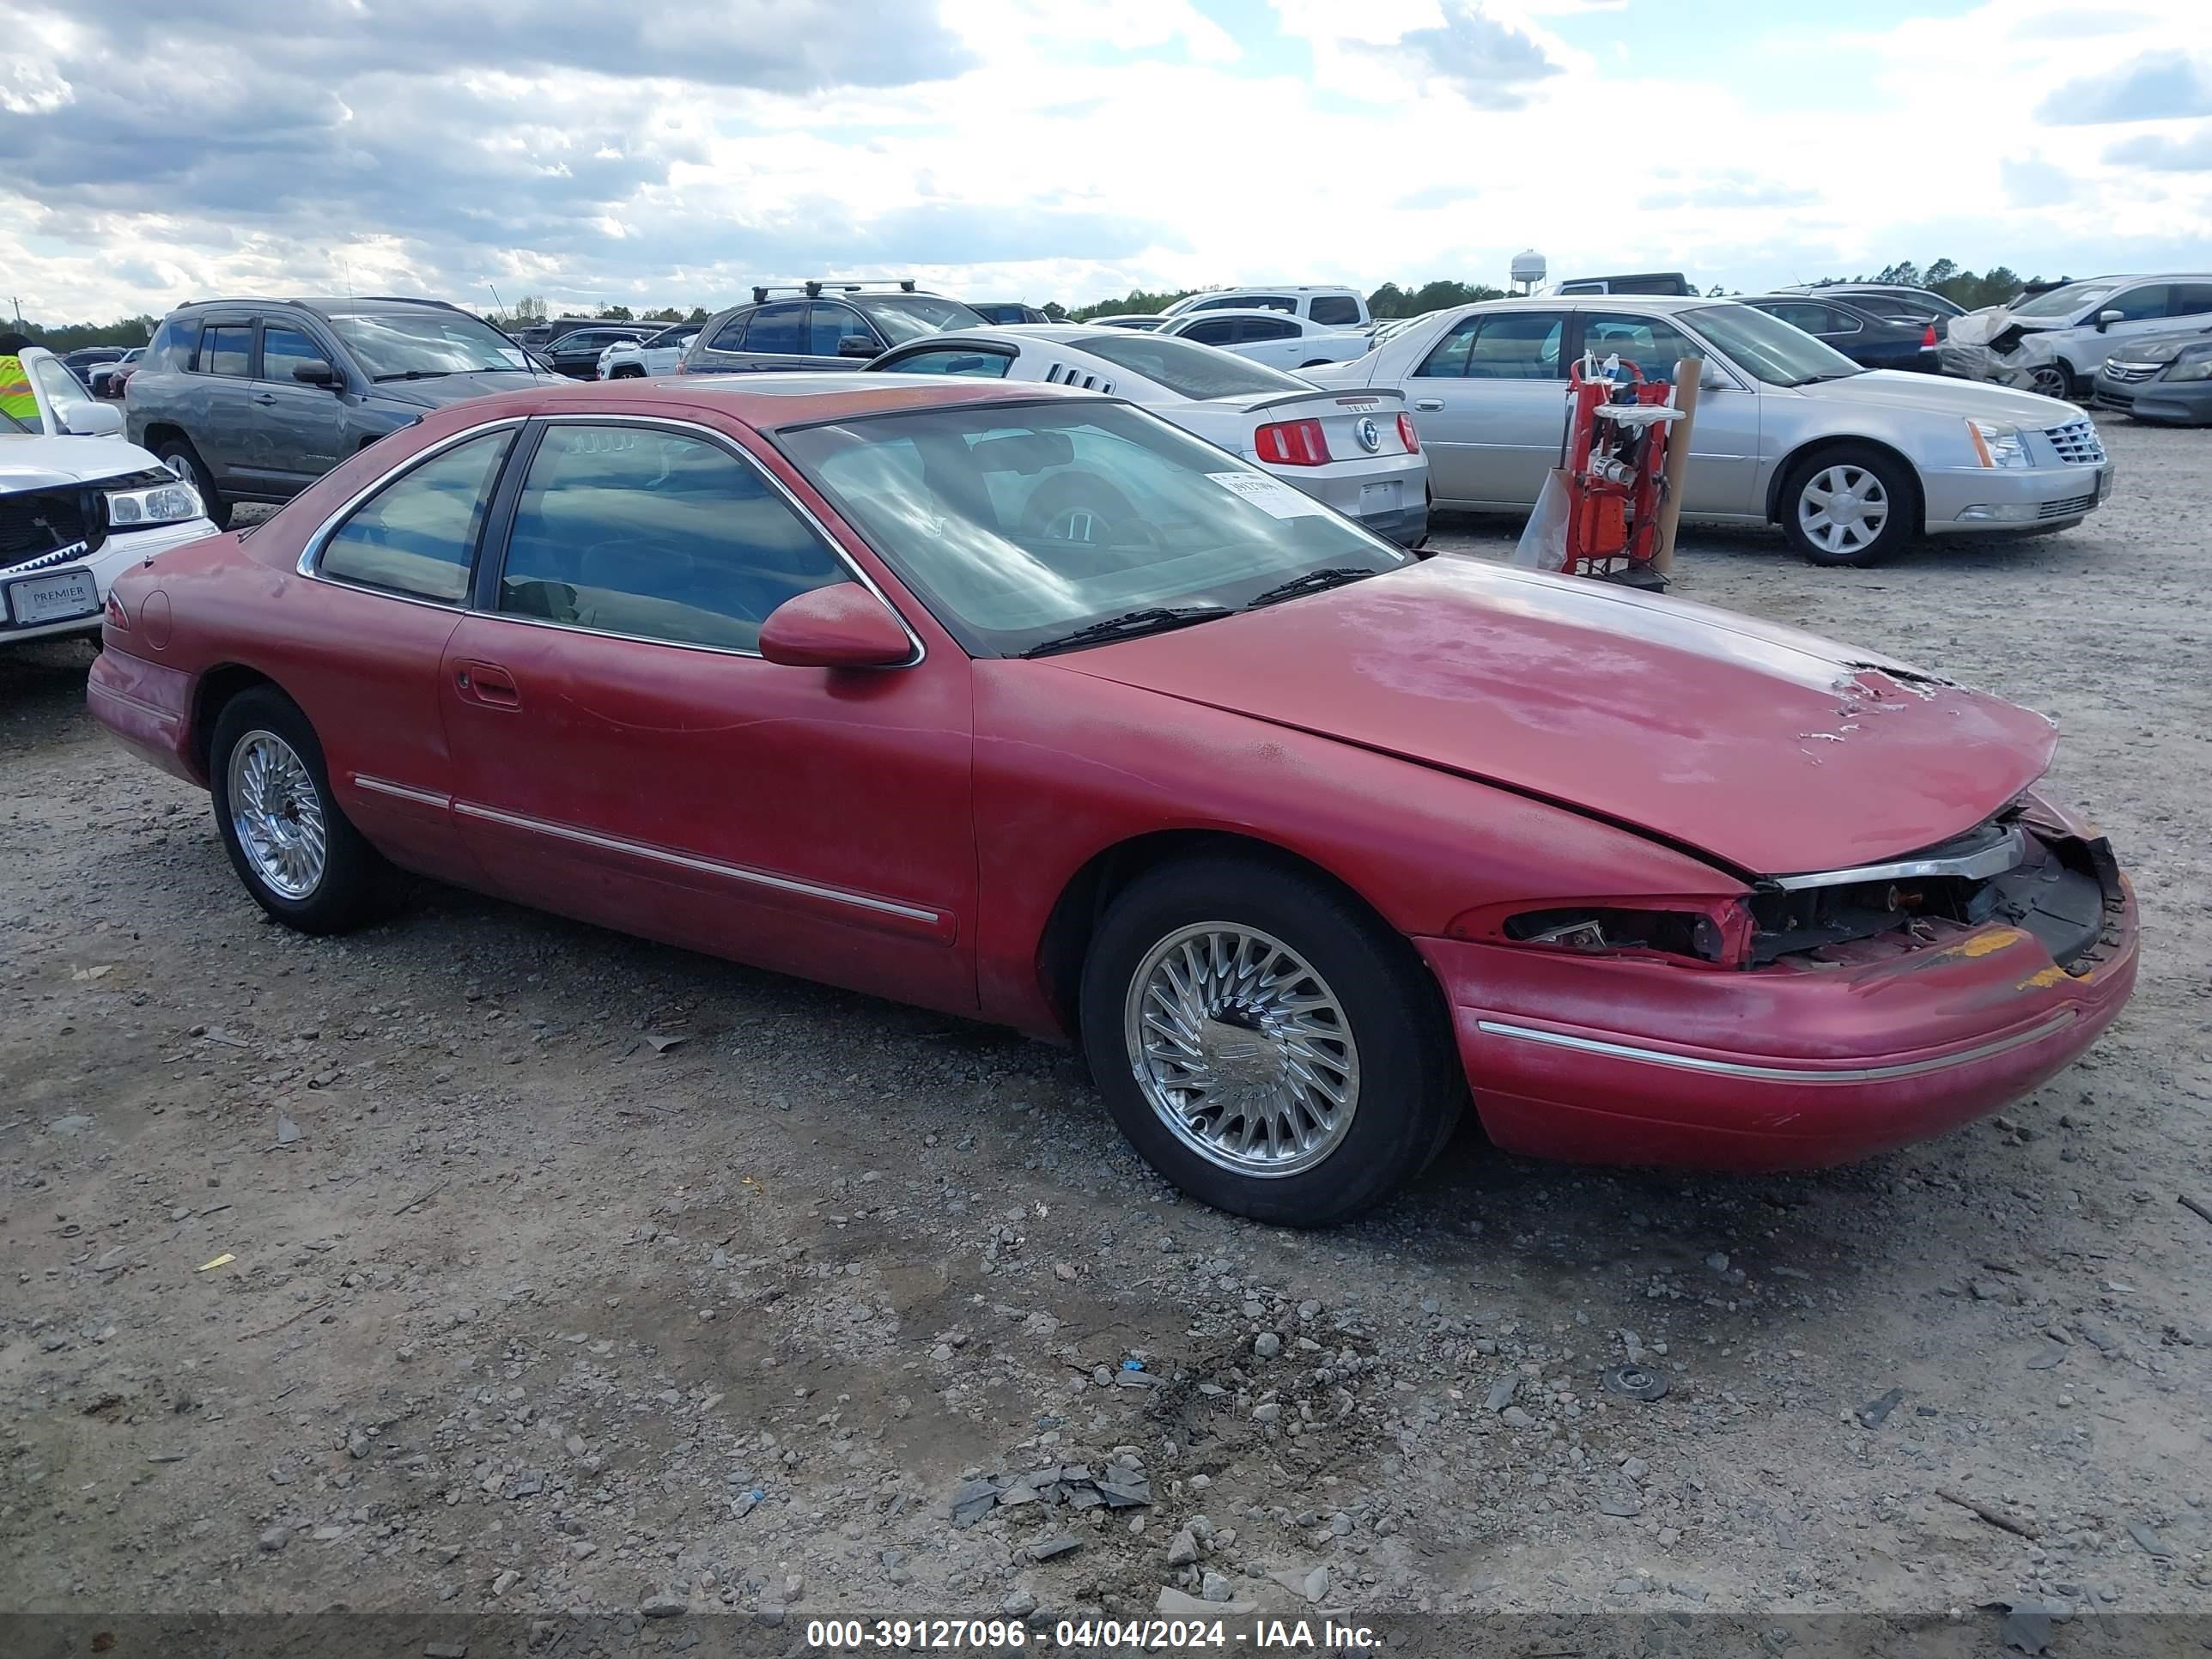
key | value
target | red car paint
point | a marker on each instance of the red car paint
(1451, 741)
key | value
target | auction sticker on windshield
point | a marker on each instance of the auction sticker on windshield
(56, 598)
(1270, 496)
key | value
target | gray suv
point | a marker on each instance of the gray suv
(828, 325)
(257, 399)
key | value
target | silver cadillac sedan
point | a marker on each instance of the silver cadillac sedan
(1852, 463)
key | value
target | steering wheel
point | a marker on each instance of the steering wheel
(1087, 513)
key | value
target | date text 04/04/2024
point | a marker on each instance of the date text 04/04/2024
(1165, 1635)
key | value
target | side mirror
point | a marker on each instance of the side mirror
(316, 374)
(843, 626)
(94, 421)
(857, 345)
(1713, 380)
(2106, 319)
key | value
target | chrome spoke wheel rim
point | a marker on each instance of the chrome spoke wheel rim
(277, 815)
(1842, 509)
(1242, 1049)
(2050, 382)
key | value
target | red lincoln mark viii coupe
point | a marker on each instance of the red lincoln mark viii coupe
(1022, 704)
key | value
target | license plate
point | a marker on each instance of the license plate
(2105, 481)
(1378, 498)
(56, 598)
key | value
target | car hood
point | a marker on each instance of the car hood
(33, 461)
(1936, 395)
(1767, 750)
(2158, 348)
(457, 388)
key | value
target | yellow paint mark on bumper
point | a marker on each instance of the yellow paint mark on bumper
(2042, 977)
(1987, 944)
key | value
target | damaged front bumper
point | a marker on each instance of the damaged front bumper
(1849, 1034)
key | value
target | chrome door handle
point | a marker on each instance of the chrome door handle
(1428, 402)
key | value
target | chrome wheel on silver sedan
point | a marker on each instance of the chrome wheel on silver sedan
(1849, 505)
(277, 814)
(1844, 508)
(1242, 1049)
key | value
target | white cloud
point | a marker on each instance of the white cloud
(1048, 148)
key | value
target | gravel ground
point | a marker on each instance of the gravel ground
(487, 1260)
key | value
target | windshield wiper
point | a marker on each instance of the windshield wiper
(1313, 581)
(1827, 375)
(419, 374)
(1153, 619)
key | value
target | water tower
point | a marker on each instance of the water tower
(1528, 271)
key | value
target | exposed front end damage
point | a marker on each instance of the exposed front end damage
(1815, 1018)
(2022, 869)
(1994, 346)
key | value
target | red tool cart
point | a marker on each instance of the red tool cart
(1612, 482)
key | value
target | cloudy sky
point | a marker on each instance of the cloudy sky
(674, 151)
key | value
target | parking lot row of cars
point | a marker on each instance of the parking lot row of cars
(1805, 423)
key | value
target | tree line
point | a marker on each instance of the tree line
(1996, 286)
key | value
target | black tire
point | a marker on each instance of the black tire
(211, 499)
(627, 372)
(1900, 491)
(2056, 379)
(1411, 1086)
(353, 878)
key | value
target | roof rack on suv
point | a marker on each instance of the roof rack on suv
(814, 290)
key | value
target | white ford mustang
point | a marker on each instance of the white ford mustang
(1355, 451)
(78, 504)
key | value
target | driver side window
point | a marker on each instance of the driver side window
(654, 535)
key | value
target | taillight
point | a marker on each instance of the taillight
(1928, 340)
(1292, 443)
(117, 618)
(1407, 436)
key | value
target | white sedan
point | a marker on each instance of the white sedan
(1267, 336)
(626, 360)
(1355, 451)
(78, 504)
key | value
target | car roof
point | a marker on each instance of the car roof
(1215, 312)
(1658, 302)
(769, 402)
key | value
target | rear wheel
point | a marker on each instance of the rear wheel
(1266, 1042)
(1849, 506)
(294, 849)
(179, 454)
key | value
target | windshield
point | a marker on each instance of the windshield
(394, 345)
(9, 423)
(2064, 302)
(904, 316)
(1019, 524)
(1766, 348)
(1195, 371)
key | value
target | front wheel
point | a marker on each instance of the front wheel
(1266, 1043)
(1849, 506)
(181, 457)
(2053, 380)
(295, 850)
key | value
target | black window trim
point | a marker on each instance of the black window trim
(499, 525)
(310, 555)
(889, 363)
(1569, 329)
(249, 321)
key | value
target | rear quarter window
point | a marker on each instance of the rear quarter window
(173, 343)
(1336, 311)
